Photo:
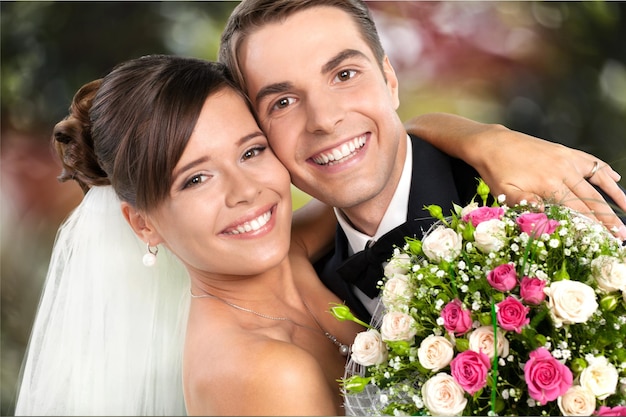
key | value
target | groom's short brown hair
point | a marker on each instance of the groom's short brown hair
(250, 15)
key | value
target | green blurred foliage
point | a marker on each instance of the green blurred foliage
(49, 49)
(556, 70)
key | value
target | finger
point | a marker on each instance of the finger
(516, 196)
(606, 178)
(570, 200)
(586, 199)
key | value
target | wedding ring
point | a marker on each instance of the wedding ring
(593, 171)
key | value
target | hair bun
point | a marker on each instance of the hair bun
(74, 144)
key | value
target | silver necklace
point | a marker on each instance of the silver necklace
(343, 349)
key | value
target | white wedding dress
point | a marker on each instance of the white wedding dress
(109, 333)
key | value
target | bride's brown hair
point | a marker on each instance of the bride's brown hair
(130, 128)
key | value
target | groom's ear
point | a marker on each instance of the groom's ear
(141, 224)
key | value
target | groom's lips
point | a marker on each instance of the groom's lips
(341, 153)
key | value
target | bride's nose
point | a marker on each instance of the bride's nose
(242, 188)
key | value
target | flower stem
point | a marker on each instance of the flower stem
(494, 383)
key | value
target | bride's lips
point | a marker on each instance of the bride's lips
(341, 153)
(253, 224)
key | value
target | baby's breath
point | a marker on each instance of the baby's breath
(564, 253)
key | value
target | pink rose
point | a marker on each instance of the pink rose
(456, 319)
(536, 224)
(470, 370)
(618, 410)
(512, 314)
(547, 378)
(531, 290)
(503, 277)
(482, 214)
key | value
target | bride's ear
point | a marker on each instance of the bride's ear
(141, 224)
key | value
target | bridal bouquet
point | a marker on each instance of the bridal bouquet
(497, 311)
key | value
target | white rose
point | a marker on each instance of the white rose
(435, 352)
(397, 326)
(610, 273)
(481, 340)
(396, 291)
(600, 377)
(443, 396)
(571, 301)
(368, 348)
(577, 401)
(469, 208)
(399, 264)
(442, 244)
(490, 235)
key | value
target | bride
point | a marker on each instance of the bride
(194, 177)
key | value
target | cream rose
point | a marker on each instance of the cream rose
(469, 208)
(397, 326)
(400, 263)
(368, 348)
(443, 396)
(600, 377)
(435, 352)
(481, 340)
(577, 401)
(489, 235)
(442, 244)
(396, 291)
(610, 273)
(571, 301)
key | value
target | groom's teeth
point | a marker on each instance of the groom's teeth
(344, 151)
(252, 225)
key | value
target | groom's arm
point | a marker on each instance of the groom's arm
(523, 167)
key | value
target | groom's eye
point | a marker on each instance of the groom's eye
(283, 102)
(345, 75)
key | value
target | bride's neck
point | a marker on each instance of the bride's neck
(271, 285)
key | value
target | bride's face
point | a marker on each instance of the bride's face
(229, 210)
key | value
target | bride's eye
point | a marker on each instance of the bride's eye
(252, 152)
(195, 180)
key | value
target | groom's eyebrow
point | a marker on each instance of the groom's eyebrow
(334, 62)
(268, 90)
(338, 59)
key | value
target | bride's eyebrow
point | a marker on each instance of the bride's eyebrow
(178, 172)
(205, 158)
(249, 137)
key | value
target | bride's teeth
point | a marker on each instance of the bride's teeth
(252, 225)
(344, 151)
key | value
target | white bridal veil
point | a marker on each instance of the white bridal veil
(108, 335)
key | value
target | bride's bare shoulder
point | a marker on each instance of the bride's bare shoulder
(257, 375)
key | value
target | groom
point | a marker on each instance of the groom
(326, 95)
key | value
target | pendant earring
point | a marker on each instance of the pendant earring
(149, 259)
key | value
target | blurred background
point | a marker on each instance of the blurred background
(556, 70)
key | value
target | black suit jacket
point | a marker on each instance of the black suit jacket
(436, 179)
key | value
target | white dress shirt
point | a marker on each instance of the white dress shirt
(395, 215)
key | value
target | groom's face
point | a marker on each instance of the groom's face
(327, 107)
